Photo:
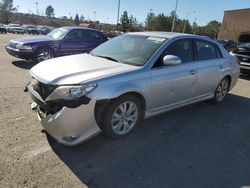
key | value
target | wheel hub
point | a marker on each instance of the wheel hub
(124, 117)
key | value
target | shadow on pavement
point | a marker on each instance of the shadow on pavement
(201, 145)
(23, 64)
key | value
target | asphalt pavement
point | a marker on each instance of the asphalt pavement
(198, 146)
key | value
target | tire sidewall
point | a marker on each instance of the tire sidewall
(215, 99)
(108, 113)
(37, 52)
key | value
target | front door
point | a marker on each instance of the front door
(174, 85)
(73, 43)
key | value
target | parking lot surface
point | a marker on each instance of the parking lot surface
(201, 145)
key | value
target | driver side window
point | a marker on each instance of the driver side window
(182, 49)
(74, 35)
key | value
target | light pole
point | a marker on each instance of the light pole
(176, 5)
(17, 8)
(107, 20)
(118, 14)
(185, 25)
(94, 14)
(194, 27)
(37, 8)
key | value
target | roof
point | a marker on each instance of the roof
(244, 9)
(162, 34)
(77, 27)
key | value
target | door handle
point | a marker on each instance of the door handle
(192, 72)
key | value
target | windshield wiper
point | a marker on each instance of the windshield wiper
(107, 57)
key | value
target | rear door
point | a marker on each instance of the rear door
(211, 66)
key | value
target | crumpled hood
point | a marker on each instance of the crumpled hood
(77, 69)
(33, 39)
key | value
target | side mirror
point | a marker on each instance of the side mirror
(171, 60)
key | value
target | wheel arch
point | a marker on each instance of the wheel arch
(229, 77)
(102, 105)
(44, 46)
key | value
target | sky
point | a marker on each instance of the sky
(106, 10)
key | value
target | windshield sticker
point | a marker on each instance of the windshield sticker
(157, 39)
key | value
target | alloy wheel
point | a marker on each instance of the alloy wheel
(222, 90)
(124, 117)
(44, 54)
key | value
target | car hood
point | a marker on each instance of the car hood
(33, 39)
(77, 69)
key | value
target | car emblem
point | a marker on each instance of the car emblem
(244, 59)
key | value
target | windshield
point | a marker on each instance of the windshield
(58, 33)
(129, 49)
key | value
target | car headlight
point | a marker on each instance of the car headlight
(70, 92)
(23, 47)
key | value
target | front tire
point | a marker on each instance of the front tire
(221, 91)
(43, 54)
(121, 116)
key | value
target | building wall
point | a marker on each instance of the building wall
(235, 23)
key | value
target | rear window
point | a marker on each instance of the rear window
(206, 50)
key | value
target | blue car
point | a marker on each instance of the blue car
(59, 42)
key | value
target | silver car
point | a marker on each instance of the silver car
(126, 79)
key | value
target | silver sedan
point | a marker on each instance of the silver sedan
(126, 79)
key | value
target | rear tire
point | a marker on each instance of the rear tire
(121, 116)
(221, 91)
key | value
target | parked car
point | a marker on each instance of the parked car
(130, 77)
(2, 29)
(15, 28)
(44, 30)
(230, 45)
(62, 41)
(31, 29)
(9, 26)
(243, 54)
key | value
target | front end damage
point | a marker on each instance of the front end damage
(70, 122)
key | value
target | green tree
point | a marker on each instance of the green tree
(211, 29)
(163, 23)
(194, 27)
(133, 24)
(214, 28)
(77, 20)
(150, 22)
(49, 11)
(82, 18)
(124, 21)
(6, 6)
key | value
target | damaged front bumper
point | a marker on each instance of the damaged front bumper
(69, 122)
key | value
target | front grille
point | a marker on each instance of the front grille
(244, 59)
(43, 89)
(46, 89)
